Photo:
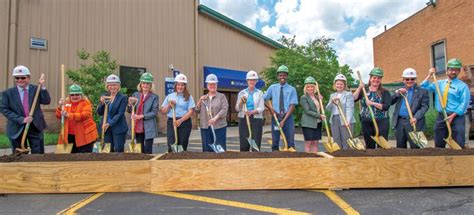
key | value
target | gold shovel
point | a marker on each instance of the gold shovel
(330, 145)
(285, 148)
(380, 140)
(252, 143)
(22, 148)
(132, 147)
(175, 146)
(102, 147)
(65, 147)
(416, 136)
(354, 143)
(449, 139)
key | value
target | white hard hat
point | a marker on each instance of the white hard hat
(181, 78)
(21, 70)
(252, 75)
(409, 73)
(112, 79)
(340, 77)
(211, 78)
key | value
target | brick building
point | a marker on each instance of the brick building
(442, 30)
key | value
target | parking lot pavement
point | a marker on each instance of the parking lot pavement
(354, 201)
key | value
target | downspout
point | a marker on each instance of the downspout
(12, 38)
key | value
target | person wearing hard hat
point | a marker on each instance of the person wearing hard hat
(116, 126)
(146, 110)
(455, 99)
(15, 106)
(216, 104)
(184, 106)
(79, 126)
(419, 104)
(252, 98)
(380, 101)
(311, 116)
(344, 98)
(284, 99)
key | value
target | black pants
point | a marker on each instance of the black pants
(457, 128)
(368, 130)
(401, 132)
(257, 126)
(147, 145)
(184, 131)
(83, 149)
(34, 139)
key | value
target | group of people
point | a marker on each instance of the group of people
(212, 108)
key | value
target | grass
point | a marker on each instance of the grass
(49, 139)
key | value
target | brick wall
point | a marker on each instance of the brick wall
(408, 44)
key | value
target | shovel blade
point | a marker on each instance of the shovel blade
(253, 144)
(355, 143)
(177, 148)
(133, 148)
(331, 146)
(216, 148)
(418, 138)
(64, 148)
(381, 141)
(22, 151)
(452, 143)
(106, 148)
(137, 148)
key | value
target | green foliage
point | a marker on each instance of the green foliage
(49, 139)
(317, 59)
(92, 73)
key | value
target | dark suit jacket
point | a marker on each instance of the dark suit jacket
(420, 104)
(117, 122)
(12, 109)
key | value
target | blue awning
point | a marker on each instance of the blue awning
(230, 79)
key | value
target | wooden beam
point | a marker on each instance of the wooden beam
(75, 177)
(241, 174)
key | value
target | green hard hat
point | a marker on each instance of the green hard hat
(309, 80)
(75, 89)
(377, 71)
(454, 63)
(282, 68)
(146, 77)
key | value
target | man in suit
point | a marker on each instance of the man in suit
(418, 99)
(15, 106)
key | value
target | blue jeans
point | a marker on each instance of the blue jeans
(288, 130)
(117, 141)
(208, 138)
(457, 128)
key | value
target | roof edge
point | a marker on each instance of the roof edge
(242, 28)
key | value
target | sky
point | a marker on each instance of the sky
(351, 23)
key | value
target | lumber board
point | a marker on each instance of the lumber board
(75, 177)
(393, 172)
(241, 174)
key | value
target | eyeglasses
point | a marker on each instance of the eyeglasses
(454, 69)
(409, 79)
(74, 94)
(20, 78)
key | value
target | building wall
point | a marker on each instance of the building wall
(408, 44)
(4, 20)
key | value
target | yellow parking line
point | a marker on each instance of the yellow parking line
(229, 203)
(78, 205)
(347, 208)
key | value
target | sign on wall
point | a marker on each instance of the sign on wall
(169, 86)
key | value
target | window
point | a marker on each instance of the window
(130, 77)
(438, 56)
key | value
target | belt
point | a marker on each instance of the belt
(403, 117)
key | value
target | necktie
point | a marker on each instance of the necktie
(445, 94)
(26, 106)
(281, 104)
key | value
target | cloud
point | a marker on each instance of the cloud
(247, 12)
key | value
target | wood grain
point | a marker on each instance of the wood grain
(74, 177)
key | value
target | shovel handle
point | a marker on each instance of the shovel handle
(409, 110)
(247, 119)
(322, 111)
(342, 114)
(269, 104)
(32, 111)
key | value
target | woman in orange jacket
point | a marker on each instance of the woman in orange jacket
(79, 126)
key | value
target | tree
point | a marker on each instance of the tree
(91, 75)
(317, 59)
